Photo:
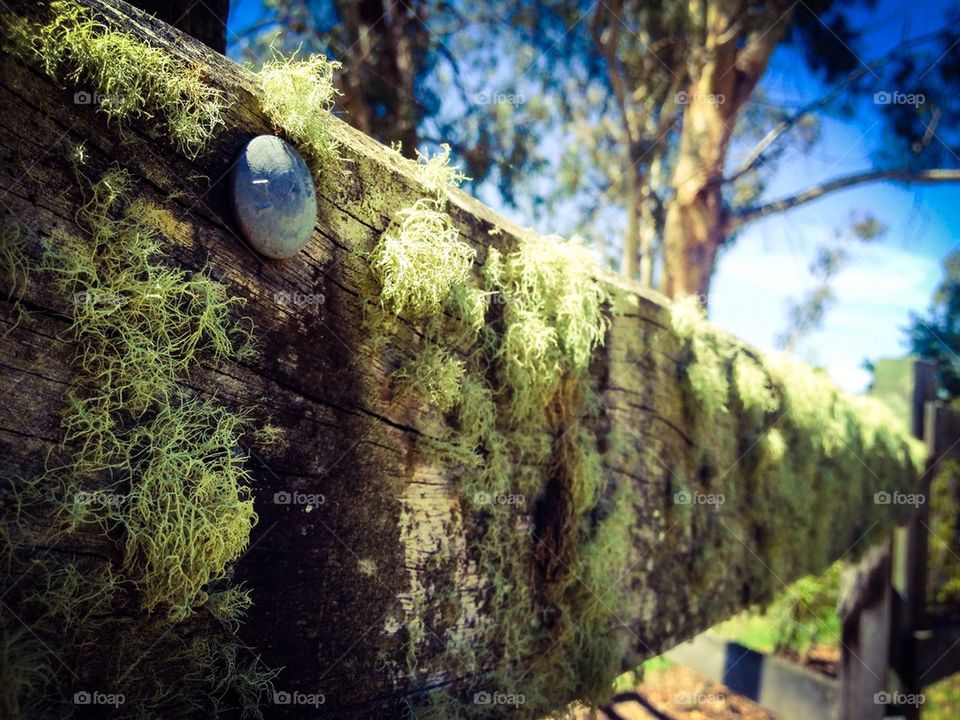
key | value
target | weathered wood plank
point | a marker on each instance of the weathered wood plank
(337, 587)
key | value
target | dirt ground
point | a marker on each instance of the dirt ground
(678, 693)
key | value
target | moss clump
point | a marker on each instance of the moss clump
(753, 386)
(131, 79)
(419, 260)
(705, 369)
(791, 453)
(553, 318)
(436, 377)
(514, 344)
(436, 173)
(154, 468)
(139, 326)
(189, 512)
(299, 95)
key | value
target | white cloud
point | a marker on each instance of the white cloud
(874, 294)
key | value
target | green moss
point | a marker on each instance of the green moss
(553, 319)
(145, 462)
(419, 259)
(753, 386)
(436, 173)
(706, 370)
(132, 79)
(434, 375)
(189, 511)
(139, 326)
(299, 95)
(792, 452)
(523, 332)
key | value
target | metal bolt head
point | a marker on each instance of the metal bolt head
(273, 197)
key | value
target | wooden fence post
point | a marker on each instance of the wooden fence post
(883, 598)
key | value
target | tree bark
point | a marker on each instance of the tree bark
(385, 41)
(696, 220)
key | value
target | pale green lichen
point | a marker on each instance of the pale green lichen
(519, 423)
(139, 326)
(419, 259)
(125, 77)
(553, 318)
(436, 173)
(435, 376)
(468, 305)
(706, 371)
(753, 385)
(793, 452)
(147, 463)
(299, 95)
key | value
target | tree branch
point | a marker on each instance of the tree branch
(742, 216)
(757, 153)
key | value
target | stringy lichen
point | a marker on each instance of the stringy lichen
(139, 326)
(125, 77)
(148, 463)
(419, 259)
(705, 372)
(804, 453)
(505, 360)
(299, 95)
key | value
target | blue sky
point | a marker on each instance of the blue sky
(767, 267)
(884, 281)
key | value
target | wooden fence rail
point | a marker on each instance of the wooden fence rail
(360, 597)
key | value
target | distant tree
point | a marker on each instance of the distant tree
(806, 314)
(682, 137)
(645, 118)
(935, 335)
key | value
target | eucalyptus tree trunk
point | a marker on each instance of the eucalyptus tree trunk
(381, 63)
(697, 222)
